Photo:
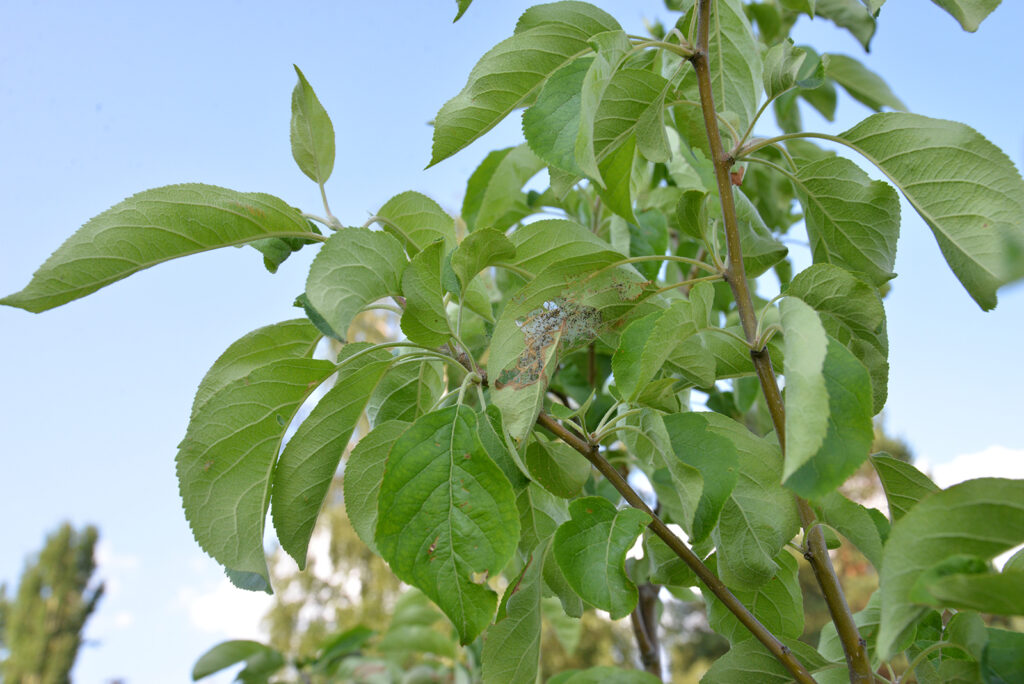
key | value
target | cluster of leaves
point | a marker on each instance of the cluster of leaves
(533, 349)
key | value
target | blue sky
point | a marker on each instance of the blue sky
(101, 100)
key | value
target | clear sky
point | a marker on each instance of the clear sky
(101, 100)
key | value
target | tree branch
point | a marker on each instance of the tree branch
(645, 628)
(816, 552)
(717, 587)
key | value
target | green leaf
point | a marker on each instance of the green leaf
(542, 243)
(749, 662)
(777, 604)
(546, 38)
(310, 460)
(903, 484)
(760, 249)
(853, 521)
(852, 221)
(806, 6)
(565, 307)
(807, 417)
(994, 593)
(417, 221)
(974, 208)
(591, 551)
(850, 15)
(982, 518)
(479, 250)
(731, 355)
(511, 653)
(663, 566)
(759, 516)
(782, 64)
(540, 514)
(696, 443)
(851, 312)
(552, 124)
(355, 268)
(631, 102)
(617, 172)
(312, 134)
(861, 83)
(647, 343)
(425, 320)
(462, 5)
(828, 405)
(446, 513)
(494, 197)
(294, 339)
(676, 484)
(228, 653)
(1015, 563)
(651, 136)
(611, 48)
(152, 227)
(409, 390)
(276, 251)
(648, 237)
(969, 13)
(736, 67)
(364, 471)
(226, 462)
(557, 467)
(571, 603)
(1001, 662)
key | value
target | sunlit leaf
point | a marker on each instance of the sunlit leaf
(480, 249)
(861, 83)
(355, 268)
(446, 513)
(152, 227)
(852, 221)
(226, 462)
(294, 339)
(964, 187)
(828, 405)
(494, 197)
(417, 221)
(750, 662)
(546, 38)
(425, 319)
(852, 313)
(310, 460)
(312, 133)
